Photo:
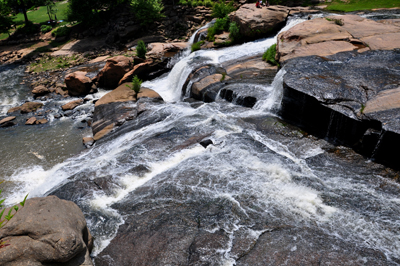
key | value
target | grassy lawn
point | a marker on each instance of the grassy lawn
(40, 15)
(356, 5)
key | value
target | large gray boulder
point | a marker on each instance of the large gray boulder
(47, 231)
(349, 98)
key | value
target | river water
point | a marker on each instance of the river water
(265, 169)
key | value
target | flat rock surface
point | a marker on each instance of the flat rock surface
(361, 86)
(334, 34)
(121, 94)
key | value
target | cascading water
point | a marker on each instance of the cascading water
(270, 176)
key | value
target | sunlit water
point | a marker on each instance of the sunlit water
(285, 179)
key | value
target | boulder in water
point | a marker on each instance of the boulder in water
(7, 122)
(77, 84)
(162, 50)
(46, 231)
(40, 91)
(31, 121)
(72, 105)
(113, 72)
(27, 107)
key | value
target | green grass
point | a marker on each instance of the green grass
(52, 63)
(40, 15)
(356, 5)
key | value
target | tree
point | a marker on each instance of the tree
(51, 10)
(147, 11)
(88, 11)
(5, 20)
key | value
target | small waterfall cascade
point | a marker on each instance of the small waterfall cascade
(267, 176)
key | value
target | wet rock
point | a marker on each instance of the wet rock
(149, 93)
(7, 122)
(113, 72)
(206, 143)
(41, 121)
(88, 141)
(72, 105)
(77, 84)
(343, 97)
(324, 36)
(31, 121)
(40, 91)
(199, 87)
(222, 38)
(259, 22)
(123, 93)
(46, 231)
(27, 107)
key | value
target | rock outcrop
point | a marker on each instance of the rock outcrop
(46, 231)
(349, 98)
(78, 83)
(116, 107)
(40, 91)
(331, 35)
(255, 22)
(113, 72)
(160, 50)
(72, 105)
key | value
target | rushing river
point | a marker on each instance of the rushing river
(267, 171)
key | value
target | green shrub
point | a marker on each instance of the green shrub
(220, 25)
(141, 49)
(234, 31)
(196, 46)
(208, 3)
(136, 84)
(61, 31)
(8, 216)
(269, 55)
(147, 11)
(221, 10)
(45, 28)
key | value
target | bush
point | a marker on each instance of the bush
(61, 31)
(147, 11)
(46, 28)
(220, 25)
(141, 49)
(196, 46)
(234, 31)
(136, 84)
(221, 10)
(269, 55)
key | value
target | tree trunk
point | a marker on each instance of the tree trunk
(24, 11)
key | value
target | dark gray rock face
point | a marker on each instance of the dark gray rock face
(349, 98)
(47, 231)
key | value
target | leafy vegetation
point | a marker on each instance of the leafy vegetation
(46, 28)
(61, 31)
(147, 11)
(221, 9)
(356, 5)
(9, 215)
(196, 46)
(193, 3)
(269, 55)
(220, 25)
(88, 11)
(141, 49)
(234, 32)
(136, 84)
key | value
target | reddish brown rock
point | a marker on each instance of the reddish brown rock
(42, 121)
(204, 83)
(7, 119)
(148, 93)
(328, 36)
(121, 94)
(88, 141)
(26, 107)
(72, 105)
(78, 84)
(259, 22)
(31, 121)
(137, 70)
(40, 91)
(158, 50)
(222, 38)
(113, 72)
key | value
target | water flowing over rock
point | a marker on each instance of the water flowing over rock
(327, 36)
(113, 72)
(350, 98)
(259, 22)
(46, 231)
(78, 83)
